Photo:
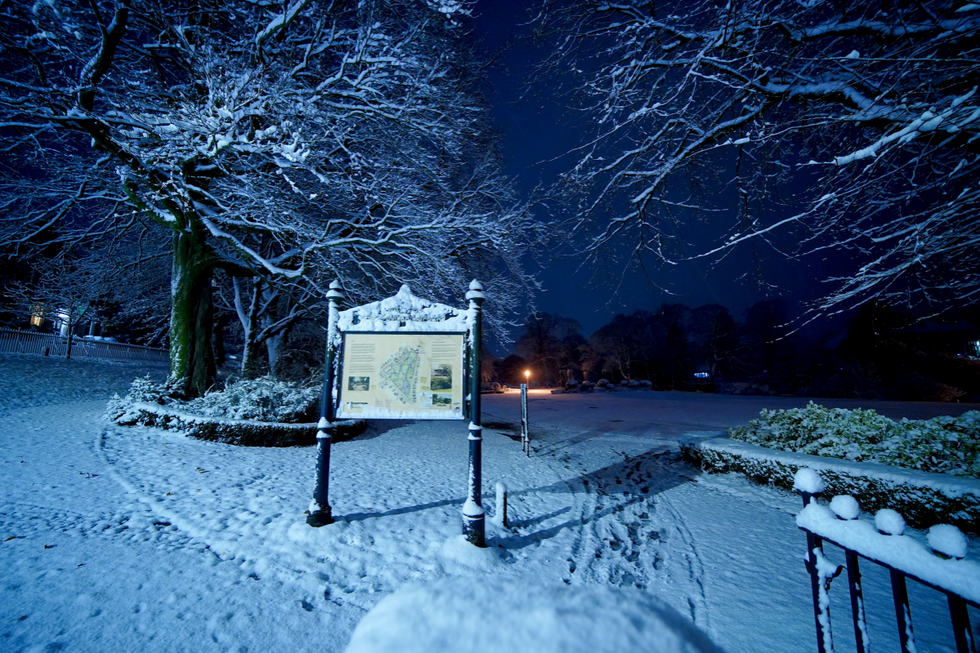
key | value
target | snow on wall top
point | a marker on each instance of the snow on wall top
(951, 486)
(404, 312)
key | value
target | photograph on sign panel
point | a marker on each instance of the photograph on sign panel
(442, 377)
(359, 383)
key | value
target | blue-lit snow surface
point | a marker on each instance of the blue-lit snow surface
(119, 538)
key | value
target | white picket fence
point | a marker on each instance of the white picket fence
(13, 341)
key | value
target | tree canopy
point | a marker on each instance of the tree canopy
(290, 143)
(790, 127)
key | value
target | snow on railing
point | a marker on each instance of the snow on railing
(943, 569)
(13, 341)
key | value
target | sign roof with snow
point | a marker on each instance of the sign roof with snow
(404, 312)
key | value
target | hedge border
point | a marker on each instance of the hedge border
(245, 433)
(924, 499)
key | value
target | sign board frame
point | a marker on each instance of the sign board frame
(439, 378)
(404, 316)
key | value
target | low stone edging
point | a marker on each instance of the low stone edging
(246, 433)
(924, 499)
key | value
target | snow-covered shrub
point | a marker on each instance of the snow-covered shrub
(261, 412)
(264, 399)
(143, 390)
(947, 445)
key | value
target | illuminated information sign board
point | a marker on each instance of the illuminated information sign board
(401, 376)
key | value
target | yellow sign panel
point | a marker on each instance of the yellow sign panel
(401, 376)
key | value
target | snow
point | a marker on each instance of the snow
(404, 312)
(948, 540)
(899, 551)
(845, 506)
(951, 486)
(478, 614)
(133, 538)
(807, 480)
(889, 522)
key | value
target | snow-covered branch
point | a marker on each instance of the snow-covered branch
(759, 123)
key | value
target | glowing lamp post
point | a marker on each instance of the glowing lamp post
(525, 435)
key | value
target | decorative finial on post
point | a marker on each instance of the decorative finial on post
(474, 518)
(320, 512)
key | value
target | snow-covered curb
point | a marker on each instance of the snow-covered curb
(924, 499)
(248, 433)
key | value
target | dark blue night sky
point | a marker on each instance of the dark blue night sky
(536, 130)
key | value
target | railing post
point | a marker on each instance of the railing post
(846, 508)
(903, 613)
(861, 640)
(809, 484)
(320, 512)
(889, 522)
(474, 518)
(961, 624)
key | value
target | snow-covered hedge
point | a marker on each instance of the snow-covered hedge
(923, 498)
(945, 445)
(260, 412)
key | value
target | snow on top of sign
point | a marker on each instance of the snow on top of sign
(404, 312)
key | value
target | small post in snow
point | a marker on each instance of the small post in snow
(525, 434)
(474, 519)
(320, 512)
(501, 512)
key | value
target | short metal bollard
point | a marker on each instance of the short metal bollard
(500, 514)
(525, 433)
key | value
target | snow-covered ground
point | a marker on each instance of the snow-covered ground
(116, 538)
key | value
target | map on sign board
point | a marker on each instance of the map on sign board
(401, 376)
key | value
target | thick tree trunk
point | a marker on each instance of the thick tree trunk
(191, 315)
(70, 326)
(219, 340)
(273, 346)
(251, 362)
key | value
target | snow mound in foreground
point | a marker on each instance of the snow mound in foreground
(494, 615)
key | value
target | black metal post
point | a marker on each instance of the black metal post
(474, 519)
(857, 602)
(320, 512)
(961, 624)
(525, 433)
(813, 543)
(903, 613)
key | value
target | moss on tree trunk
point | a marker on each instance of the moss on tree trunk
(191, 314)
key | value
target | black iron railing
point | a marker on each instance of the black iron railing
(943, 568)
(13, 341)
